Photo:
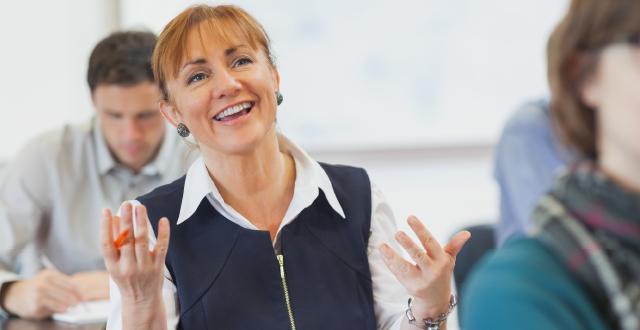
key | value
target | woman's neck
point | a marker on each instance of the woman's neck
(620, 165)
(259, 184)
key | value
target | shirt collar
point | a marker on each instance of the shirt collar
(310, 177)
(156, 167)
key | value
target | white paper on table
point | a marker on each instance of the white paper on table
(96, 312)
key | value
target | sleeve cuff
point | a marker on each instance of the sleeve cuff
(6, 277)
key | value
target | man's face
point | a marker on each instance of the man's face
(132, 124)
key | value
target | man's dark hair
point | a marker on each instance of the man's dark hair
(123, 58)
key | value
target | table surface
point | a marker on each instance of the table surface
(19, 324)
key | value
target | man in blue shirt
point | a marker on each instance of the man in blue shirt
(528, 159)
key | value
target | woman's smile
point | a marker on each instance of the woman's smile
(234, 114)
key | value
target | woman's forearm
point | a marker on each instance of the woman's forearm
(144, 315)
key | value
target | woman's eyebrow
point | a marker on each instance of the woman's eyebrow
(198, 61)
(233, 49)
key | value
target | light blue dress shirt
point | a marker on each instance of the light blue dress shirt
(528, 159)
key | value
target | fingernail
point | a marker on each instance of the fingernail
(104, 213)
(400, 237)
(383, 248)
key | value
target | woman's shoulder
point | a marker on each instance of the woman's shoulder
(164, 200)
(525, 286)
(167, 189)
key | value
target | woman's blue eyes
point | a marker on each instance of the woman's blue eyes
(200, 76)
(196, 77)
(243, 61)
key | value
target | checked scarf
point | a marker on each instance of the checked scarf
(593, 226)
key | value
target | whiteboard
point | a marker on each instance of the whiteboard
(359, 74)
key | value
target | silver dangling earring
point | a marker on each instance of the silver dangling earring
(183, 130)
(279, 97)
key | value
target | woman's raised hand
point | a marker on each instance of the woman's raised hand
(429, 280)
(138, 272)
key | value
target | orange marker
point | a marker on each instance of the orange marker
(120, 239)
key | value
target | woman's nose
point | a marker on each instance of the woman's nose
(225, 84)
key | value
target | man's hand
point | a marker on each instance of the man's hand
(43, 295)
(92, 285)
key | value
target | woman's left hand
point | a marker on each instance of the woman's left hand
(429, 280)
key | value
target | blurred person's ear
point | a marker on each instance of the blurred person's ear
(584, 68)
(590, 92)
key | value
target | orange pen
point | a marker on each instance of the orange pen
(120, 240)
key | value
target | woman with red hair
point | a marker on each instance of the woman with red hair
(252, 193)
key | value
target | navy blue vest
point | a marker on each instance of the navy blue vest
(228, 277)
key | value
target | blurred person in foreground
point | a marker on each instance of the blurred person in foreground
(60, 180)
(580, 269)
(529, 158)
(261, 235)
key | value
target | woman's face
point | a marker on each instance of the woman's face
(224, 93)
(614, 91)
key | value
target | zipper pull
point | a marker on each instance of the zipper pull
(281, 261)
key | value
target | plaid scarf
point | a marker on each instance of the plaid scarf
(593, 226)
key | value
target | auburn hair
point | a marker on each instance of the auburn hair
(573, 53)
(224, 21)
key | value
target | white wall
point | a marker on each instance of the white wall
(45, 47)
(375, 73)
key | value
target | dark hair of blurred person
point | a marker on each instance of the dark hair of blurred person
(125, 96)
(122, 59)
(580, 267)
(60, 180)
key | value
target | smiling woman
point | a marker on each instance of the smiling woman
(248, 204)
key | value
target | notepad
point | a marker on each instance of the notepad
(96, 312)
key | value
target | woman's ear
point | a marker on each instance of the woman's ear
(169, 113)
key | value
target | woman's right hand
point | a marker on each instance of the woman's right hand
(138, 272)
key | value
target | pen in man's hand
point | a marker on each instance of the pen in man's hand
(49, 265)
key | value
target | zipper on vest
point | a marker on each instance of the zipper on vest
(286, 290)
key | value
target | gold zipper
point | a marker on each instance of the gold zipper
(286, 290)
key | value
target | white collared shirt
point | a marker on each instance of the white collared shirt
(388, 294)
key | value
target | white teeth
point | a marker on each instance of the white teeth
(234, 109)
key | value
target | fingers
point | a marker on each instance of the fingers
(456, 243)
(91, 285)
(426, 238)
(109, 251)
(162, 243)
(142, 235)
(56, 290)
(416, 252)
(400, 267)
(127, 250)
(116, 227)
(53, 306)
